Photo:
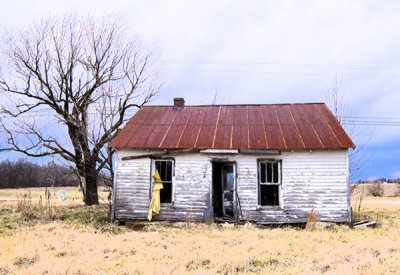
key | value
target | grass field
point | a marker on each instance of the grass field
(36, 193)
(73, 239)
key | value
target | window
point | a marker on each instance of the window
(165, 171)
(269, 183)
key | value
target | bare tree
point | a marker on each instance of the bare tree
(340, 108)
(70, 85)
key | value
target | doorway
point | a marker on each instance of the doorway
(224, 190)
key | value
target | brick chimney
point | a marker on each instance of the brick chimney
(179, 103)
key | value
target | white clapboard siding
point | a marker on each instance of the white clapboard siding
(315, 179)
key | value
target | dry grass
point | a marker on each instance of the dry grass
(37, 193)
(74, 244)
(388, 190)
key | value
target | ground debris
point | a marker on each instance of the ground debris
(364, 223)
(227, 225)
(136, 225)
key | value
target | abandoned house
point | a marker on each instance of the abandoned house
(266, 163)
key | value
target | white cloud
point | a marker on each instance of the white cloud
(260, 51)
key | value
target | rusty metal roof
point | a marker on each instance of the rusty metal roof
(268, 126)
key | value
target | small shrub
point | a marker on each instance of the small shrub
(190, 221)
(256, 265)
(375, 189)
(193, 265)
(22, 262)
(312, 220)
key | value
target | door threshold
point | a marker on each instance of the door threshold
(223, 219)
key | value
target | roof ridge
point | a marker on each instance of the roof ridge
(252, 104)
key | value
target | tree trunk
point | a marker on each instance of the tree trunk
(91, 191)
(91, 195)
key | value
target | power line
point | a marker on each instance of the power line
(302, 65)
(371, 123)
(389, 122)
(281, 68)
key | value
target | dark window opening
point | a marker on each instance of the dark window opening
(269, 172)
(269, 194)
(164, 168)
(166, 193)
(269, 183)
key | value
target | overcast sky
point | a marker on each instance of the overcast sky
(265, 52)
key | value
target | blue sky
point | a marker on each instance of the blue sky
(265, 52)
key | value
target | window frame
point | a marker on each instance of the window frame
(279, 183)
(153, 167)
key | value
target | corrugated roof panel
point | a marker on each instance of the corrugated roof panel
(257, 137)
(229, 116)
(328, 138)
(269, 115)
(309, 136)
(300, 114)
(166, 116)
(223, 137)
(123, 137)
(239, 115)
(172, 137)
(189, 137)
(141, 115)
(327, 114)
(197, 115)
(292, 136)
(223, 114)
(289, 128)
(284, 115)
(154, 117)
(182, 117)
(344, 139)
(211, 115)
(206, 136)
(275, 137)
(240, 137)
(140, 135)
(255, 116)
(156, 136)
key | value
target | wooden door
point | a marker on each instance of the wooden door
(228, 191)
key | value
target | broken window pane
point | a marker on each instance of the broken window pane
(228, 177)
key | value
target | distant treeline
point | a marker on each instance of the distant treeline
(23, 173)
(380, 180)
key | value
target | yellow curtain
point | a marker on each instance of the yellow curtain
(154, 207)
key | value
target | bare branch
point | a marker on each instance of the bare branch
(340, 108)
(87, 76)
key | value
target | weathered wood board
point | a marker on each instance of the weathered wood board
(310, 179)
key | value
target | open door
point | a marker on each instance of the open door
(224, 187)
